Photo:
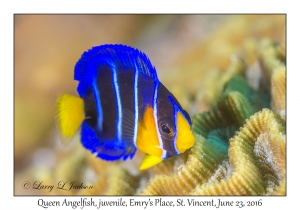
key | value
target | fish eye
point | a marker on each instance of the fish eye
(166, 127)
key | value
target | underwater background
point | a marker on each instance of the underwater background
(227, 71)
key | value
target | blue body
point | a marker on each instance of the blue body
(117, 84)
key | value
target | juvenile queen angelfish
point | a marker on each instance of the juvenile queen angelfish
(123, 107)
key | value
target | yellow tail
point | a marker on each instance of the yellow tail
(69, 116)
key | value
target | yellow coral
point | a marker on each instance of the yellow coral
(271, 57)
(257, 163)
(198, 169)
(278, 91)
(121, 182)
(169, 166)
(113, 181)
(71, 169)
(281, 189)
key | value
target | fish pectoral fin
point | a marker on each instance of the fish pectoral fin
(69, 116)
(149, 161)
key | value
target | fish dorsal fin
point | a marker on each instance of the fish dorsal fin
(112, 55)
(149, 161)
(128, 126)
(69, 116)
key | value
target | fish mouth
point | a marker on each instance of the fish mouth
(184, 147)
(187, 146)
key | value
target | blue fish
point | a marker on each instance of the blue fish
(122, 106)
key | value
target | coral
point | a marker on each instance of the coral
(113, 181)
(233, 107)
(99, 186)
(209, 170)
(121, 182)
(271, 57)
(278, 91)
(281, 189)
(256, 158)
(215, 127)
(71, 168)
(214, 83)
(197, 170)
(69, 171)
(267, 66)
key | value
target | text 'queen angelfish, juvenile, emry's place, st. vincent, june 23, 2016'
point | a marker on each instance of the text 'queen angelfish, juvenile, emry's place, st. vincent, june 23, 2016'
(123, 107)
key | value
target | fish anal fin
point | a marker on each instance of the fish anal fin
(69, 116)
(149, 161)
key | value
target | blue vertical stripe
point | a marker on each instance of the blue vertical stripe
(98, 105)
(119, 105)
(164, 152)
(175, 131)
(175, 126)
(136, 104)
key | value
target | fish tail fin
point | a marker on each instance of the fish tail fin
(69, 116)
(149, 161)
